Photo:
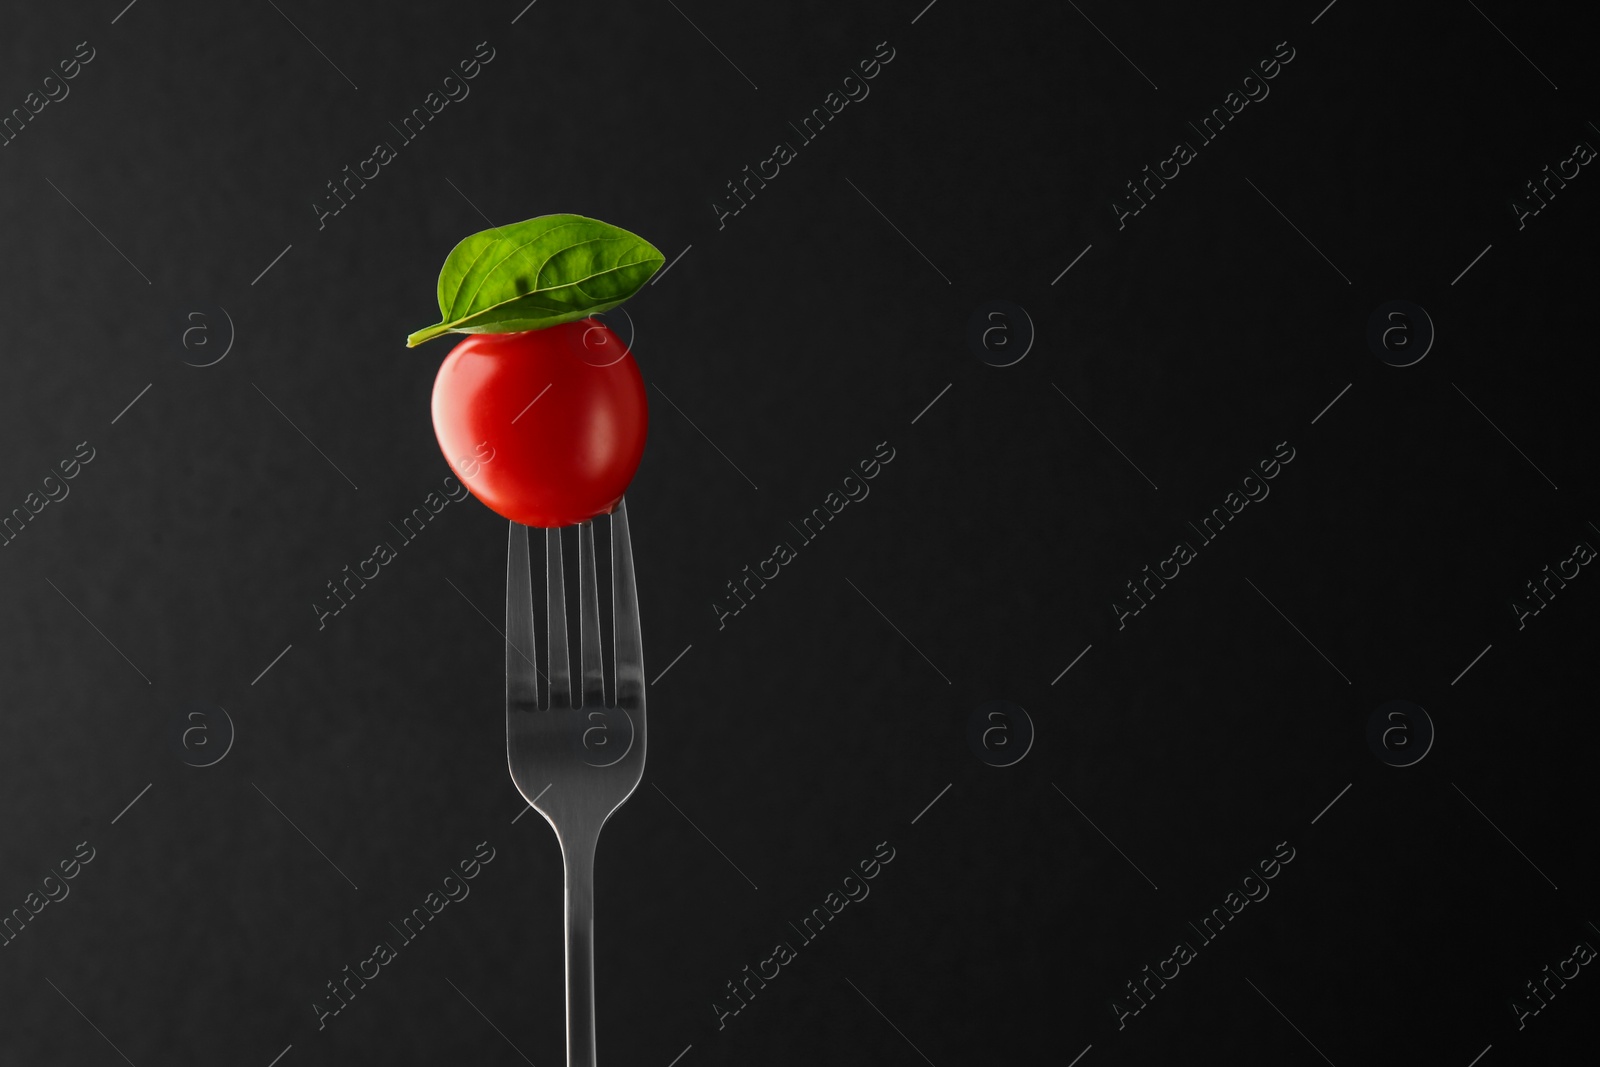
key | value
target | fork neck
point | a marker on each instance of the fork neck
(578, 855)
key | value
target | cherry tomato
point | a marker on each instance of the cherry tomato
(546, 427)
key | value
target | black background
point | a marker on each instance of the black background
(799, 336)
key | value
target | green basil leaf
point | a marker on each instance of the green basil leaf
(538, 273)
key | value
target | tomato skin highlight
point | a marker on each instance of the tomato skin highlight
(546, 427)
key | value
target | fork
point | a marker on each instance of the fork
(575, 757)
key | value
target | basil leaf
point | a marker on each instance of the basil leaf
(538, 273)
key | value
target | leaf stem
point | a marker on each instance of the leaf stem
(436, 330)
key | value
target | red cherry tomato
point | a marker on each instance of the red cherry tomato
(545, 427)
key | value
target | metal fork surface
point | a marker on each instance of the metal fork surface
(574, 755)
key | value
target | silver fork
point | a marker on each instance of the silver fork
(575, 757)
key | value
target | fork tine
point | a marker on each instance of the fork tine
(556, 601)
(522, 687)
(594, 692)
(626, 639)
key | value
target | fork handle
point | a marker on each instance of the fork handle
(578, 860)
